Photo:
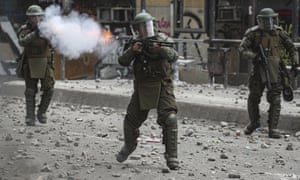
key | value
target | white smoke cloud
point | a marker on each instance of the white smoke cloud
(72, 34)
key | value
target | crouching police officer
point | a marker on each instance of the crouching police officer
(153, 87)
(37, 66)
(271, 40)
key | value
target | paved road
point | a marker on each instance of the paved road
(80, 142)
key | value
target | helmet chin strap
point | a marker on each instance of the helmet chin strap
(33, 24)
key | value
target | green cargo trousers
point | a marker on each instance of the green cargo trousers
(256, 88)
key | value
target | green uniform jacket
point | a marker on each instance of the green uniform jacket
(279, 43)
(36, 51)
(151, 70)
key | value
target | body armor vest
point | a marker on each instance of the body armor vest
(272, 48)
(150, 66)
(38, 48)
(36, 53)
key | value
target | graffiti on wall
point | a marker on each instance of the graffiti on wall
(286, 24)
(190, 20)
(164, 25)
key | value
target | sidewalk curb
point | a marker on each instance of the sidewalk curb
(191, 110)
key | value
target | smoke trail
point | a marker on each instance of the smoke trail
(67, 4)
(72, 34)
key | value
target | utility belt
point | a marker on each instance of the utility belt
(49, 61)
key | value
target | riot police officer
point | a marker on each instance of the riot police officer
(273, 40)
(37, 66)
(153, 87)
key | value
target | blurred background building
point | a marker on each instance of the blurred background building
(207, 33)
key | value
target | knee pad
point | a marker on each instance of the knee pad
(275, 100)
(171, 120)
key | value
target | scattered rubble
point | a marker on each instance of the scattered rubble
(80, 142)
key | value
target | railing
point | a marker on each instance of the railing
(183, 46)
(297, 44)
(189, 49)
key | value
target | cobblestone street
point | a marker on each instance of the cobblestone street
(80, 142)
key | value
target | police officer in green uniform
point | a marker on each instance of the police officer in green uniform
(274, 40)
(37, 66)
(153, 88)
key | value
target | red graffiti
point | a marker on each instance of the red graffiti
(162, 23)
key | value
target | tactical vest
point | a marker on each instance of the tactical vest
(150, 69)
(271, 43)
(38, 47)
(150, 66)
(36, 54)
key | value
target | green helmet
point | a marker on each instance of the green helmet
(142, 18)
(267, 19)
(34, 10)
(145, 25)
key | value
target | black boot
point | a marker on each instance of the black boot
(44, 104)
(250, 128)
(253, 112)
(274, 113)
(124, 153)
(171, 142)
(30, 107)
(130, 137)
(274, 133)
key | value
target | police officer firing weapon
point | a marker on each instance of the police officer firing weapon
(36, 66)
(153, 87)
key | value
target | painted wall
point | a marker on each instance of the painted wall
(161, 10)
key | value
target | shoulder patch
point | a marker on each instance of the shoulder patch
(252, 29)
(278, 28)
(24, 26)
(164, 37)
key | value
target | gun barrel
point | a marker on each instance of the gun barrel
(265, 64)
(162, 43)
(148, 42)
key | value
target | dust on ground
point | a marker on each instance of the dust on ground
(80, 142)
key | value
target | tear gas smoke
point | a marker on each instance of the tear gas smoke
(72, 34)
(67, 4)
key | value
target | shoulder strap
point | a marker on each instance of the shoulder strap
(258, 37)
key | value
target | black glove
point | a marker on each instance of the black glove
(287, 94)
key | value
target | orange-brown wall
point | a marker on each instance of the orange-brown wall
(75, 69)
